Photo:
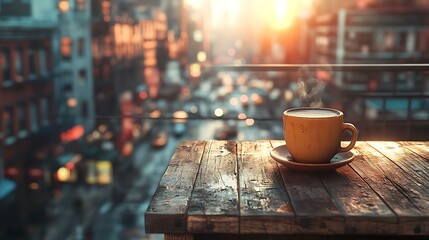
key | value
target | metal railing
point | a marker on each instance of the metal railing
(370, 109)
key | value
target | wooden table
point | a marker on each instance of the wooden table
(235, 187)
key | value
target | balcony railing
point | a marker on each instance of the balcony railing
(384, 111)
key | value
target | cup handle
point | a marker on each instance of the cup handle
(351, 128)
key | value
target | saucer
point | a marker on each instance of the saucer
(281, 155)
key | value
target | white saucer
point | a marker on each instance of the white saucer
(281, 155)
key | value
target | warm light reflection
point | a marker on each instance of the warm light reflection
(96, 135)
(127, 149)
(102, 128)
(72, 102)
(104, 172)
(250, 122)
(244, 98)
(201, 56)
(64, 5)
(34, 186)
(288, 95)
(242, 116)
(195, 70)
(233, 101)
(155, 114)
(218, 112)
(63, 174)
(180, 117)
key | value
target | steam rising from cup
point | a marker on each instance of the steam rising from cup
(311, 85)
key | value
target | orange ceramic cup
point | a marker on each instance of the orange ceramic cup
(313, 135)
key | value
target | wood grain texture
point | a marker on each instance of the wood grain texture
(168, 209)
(264, 204)
(178, 237)
(315, 210)
(415, 165)
(214, 202)
(234, 187)
(408, 198)
(421, 148)
(365, 212)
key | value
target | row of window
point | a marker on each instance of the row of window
(106, 47)
(125, 40)
(64, 5)
(23, 61)
(66, 48)
(19, 120)
(388, 41)
(102, 71)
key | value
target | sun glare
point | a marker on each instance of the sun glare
(284, 13)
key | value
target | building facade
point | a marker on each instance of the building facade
(27, 107)
(75, 96)
(382, 100)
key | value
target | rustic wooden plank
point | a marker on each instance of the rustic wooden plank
(315, 210)
(178, 237)
(421, 148)
(365, 211)
(415, 165)
(167, 210)
(214, 201)
(406, 197)
(299, 237)
(264, 204)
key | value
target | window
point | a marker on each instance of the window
(18, 64)
(95, 48)
(44, 110)
(365, 40)
(80, 46)
(8, 117)
(31, 62)
(5, 63)
(389, 40)
(22, 121)
(106, 72)
(107, 50)
(66, 47)
(67, 88)
(422, 41)
(43, 62)
(82, 75)
(80, 5)
(34, 120)
(403, 41)
(84, 109)
(15, 8)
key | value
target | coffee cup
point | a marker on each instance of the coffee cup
(313, 135)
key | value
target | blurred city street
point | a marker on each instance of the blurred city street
(117, 211)
(96, 95)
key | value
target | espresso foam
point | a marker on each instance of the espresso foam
(312, 113)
